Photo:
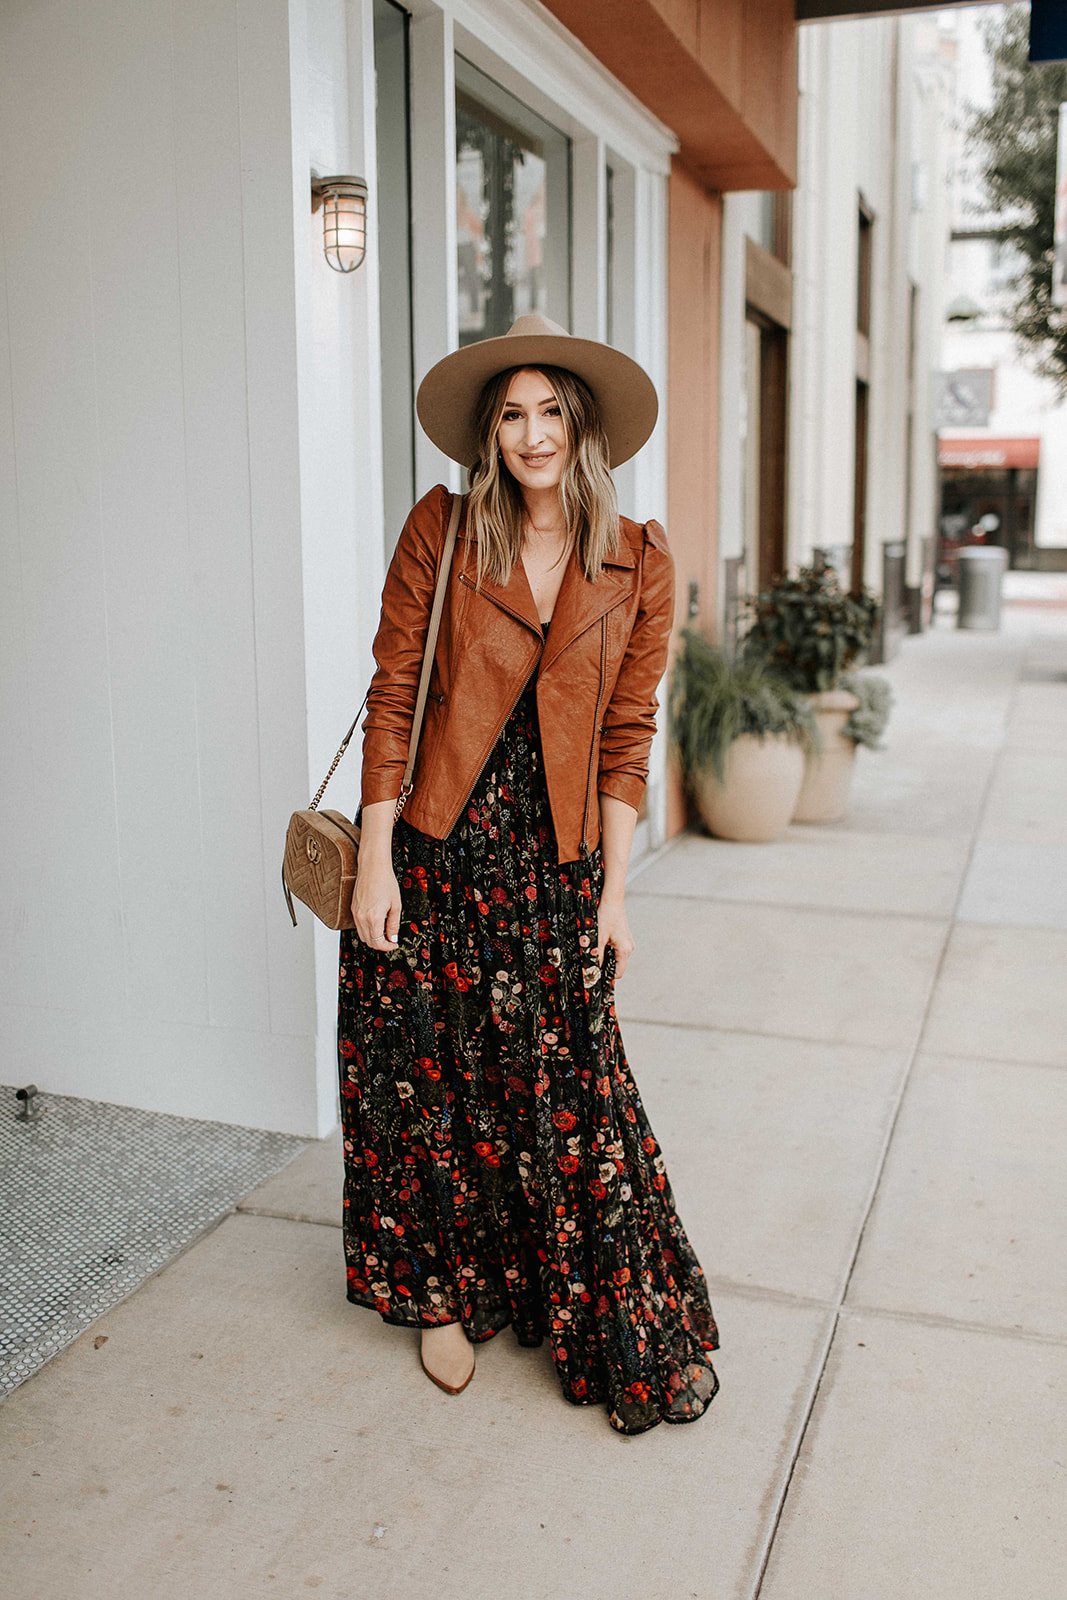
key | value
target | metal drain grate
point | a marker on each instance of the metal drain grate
(94, 1198)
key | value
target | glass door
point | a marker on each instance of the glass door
(393, 207)
(513, 215)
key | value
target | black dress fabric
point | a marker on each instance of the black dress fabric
(499, 1164)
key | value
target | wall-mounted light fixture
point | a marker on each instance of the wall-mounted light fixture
(344, 220)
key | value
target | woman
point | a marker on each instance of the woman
(499, 1166)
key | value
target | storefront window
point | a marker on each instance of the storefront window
(393, 209)
(512, 210)
(609, 255)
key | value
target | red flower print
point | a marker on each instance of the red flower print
(514, 1110)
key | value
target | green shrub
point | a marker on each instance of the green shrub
(867, 723)
(808, 629)
(714, 700)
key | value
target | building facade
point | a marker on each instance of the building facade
(1003, 455)
(207, 446)
(831, 326)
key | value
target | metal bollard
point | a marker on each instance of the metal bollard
(981, 569)
(29, 1110)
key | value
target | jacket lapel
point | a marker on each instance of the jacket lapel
(515, 596)
(580, 603)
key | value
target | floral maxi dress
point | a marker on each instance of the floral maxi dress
(499, 1164)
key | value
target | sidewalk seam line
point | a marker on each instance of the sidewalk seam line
(934, 1319)
(880, 1164)
(798, 907)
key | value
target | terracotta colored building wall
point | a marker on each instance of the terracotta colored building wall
(721, 73)
(694, 236)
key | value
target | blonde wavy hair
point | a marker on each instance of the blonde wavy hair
(496, 509)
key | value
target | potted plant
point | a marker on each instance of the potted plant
(741, 735)
(810, 631)
(868, 719)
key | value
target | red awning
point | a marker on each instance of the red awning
(986, 452)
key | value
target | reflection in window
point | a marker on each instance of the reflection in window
(609, 255)
(393, 208)
(512, 210)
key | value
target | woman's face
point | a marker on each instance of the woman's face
(532, 435)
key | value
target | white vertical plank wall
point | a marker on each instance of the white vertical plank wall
(153, 702)
(191, 500)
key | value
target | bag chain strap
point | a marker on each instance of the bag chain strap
(314, 804)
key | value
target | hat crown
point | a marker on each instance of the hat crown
(448, 395)
(536, 326)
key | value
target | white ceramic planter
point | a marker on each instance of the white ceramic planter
(823, 794)
(762, 781)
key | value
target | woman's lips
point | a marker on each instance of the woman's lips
(539, 460)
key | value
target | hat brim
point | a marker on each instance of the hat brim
(625, 394)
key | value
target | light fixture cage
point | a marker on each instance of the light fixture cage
(344, 220)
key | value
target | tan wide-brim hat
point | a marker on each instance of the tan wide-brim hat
(624, 392)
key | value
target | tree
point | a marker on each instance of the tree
(1015, 139)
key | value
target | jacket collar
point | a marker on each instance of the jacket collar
(579, 603)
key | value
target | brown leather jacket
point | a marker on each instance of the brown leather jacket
(601, 661)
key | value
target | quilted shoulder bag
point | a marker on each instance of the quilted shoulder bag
(321, 847)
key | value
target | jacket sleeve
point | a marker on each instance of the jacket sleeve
(407, 599)
(630, 720)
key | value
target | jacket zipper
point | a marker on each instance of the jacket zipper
(596, 723)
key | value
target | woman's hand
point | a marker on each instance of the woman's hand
(613, 927)
(376, 897)
(617, 820)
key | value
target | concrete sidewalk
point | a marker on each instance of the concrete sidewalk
(851, 1045)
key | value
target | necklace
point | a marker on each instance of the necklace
(546, 533)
